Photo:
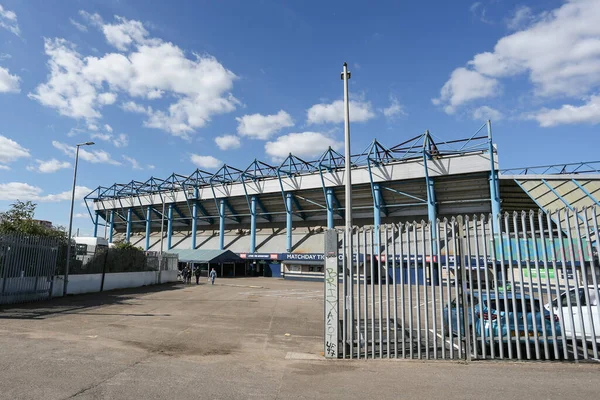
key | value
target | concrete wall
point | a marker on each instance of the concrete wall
(90, 283)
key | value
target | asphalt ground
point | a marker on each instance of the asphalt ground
(239, 339)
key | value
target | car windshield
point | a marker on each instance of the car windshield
(513, 305)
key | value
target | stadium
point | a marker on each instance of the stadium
(270, 220)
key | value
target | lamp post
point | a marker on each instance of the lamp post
(71, 216)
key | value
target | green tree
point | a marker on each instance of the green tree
(19, 219)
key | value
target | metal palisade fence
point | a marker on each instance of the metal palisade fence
(27, 267)
(519, 286)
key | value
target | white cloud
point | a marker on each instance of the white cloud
(67, 90)
(124, 33)
(134, 107)
(395, 108)
(102, 136)
(81, 215)
(48, 167)
(568, 114)
(122, 140)
(150, 166)
(81, 27)
(485, 113)
(4, 167)
(479, 11)
(94, 19)
(134, 163)
(8, 21)
(108, 128)
(259, 126)
(93, 156)
(521, 19)
(146, 68)
(8, 83)
(208, 162)
(25, 192)
(465, 85)
(107, 98)
(303, 145)
(11, 151)
(559, 51)
(227, 142)
(360, 111)
(5, 56)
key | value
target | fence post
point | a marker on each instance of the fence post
(331, 294)
(104, 270)
(463, 277)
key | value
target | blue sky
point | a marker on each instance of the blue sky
(166, 87)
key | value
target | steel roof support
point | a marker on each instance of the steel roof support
(148, 226)
(111, 226)
(194, 223)
(494, 186)
(377, 215)
(221, 224)
(288, 222)
(96, 223)
(329, 199)
(137, 214)
(428, 147)
(562, 199)
(128, 227)
(331, 160)
(253, 224)
(170, 226)
(587, 193)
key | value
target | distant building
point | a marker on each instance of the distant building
(45, 224)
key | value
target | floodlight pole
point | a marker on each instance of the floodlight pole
(347, 160)
(348, 193)
(67, 264)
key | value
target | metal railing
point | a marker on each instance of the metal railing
(456, 289)
(27, 267)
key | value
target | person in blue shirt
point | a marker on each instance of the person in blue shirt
(213, 275)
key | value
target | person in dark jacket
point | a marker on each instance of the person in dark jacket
(197, 273)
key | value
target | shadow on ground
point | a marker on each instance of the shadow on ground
(80, 303)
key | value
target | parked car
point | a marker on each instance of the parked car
(498, 319)
(588, 320)
(452, 312)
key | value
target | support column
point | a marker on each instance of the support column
(330, 223)
(288, 225)
(128, 228)
(221, 224)
(252, 224)
(431, 202)
(96, 224)
(170, 227)
(148, 224)
(111, 227)
(194, 223)
(494, 189)
(377, 213)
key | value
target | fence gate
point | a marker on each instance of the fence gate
(27, 267)
(519, 286)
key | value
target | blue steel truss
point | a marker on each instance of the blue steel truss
(226, 175)
(586, 167)
(376, 154)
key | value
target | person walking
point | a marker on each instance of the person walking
(213, 275)
(197, 273)
(188, 274)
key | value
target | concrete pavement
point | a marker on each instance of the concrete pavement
(240, 339)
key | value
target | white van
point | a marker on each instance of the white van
(87, 247)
